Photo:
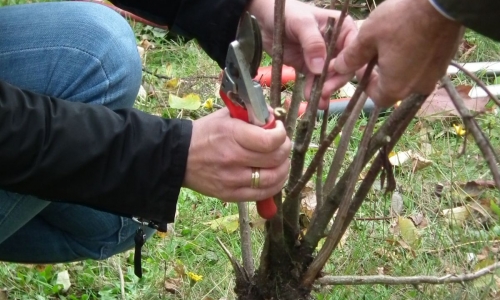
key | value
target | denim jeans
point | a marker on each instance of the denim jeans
(81, 52)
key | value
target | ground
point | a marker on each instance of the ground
(454, 231)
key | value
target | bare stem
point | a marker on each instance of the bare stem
(246, 241)
(413, 280)
(277, 64)
(345, 139)
(318, 157)
(297, 98)
(335, 233)
(319, 171)
(472, 126)
(394, 126)
(241, 274)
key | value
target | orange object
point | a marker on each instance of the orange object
(264, 75)
(338, 103)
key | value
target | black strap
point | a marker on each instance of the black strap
(139, 239)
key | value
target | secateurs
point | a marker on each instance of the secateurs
(242, 95)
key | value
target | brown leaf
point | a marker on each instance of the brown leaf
(179, 268)
(172, 285)
(147, 45)
(4, 294)
(440, 105)
(419, 220)
(475, 188)
(308, 203)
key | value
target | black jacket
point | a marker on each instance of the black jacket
(479, 15)
(122, 161)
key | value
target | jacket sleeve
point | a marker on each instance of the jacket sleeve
(123, 161)
(212, 23)
(479, 15)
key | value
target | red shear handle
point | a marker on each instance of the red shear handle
(236, 111)
(266, 208)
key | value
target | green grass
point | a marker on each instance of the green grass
(370, 247)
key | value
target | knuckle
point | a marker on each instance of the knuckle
(266, 142)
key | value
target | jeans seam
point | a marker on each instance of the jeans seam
(72, 48)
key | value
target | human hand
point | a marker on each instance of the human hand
(414, 44)
(223, 152)
(304, 44)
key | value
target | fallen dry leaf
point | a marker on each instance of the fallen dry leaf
(439, 104)
(308, 203)
(419, 220)
(179, 268)
(63, 279)
(147, 45)
(228, 224)
(457, 215)
(409, 232)
(172, 285)
(4, 294)
(418, 162)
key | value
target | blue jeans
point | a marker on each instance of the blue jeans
(80, 52)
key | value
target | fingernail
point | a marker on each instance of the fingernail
(317, 65)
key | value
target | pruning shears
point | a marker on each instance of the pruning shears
(242, 95)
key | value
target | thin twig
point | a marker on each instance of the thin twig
(319, 171)
(297, 98)
(277, 54)
(388, 134)
(331, 35)
(345, 140)
(414, 280)
(335, 233)
(318, 83)
(318, 157)
(246, 240)
(374, 219)
(117, 263)
(477, 81)
(470, 123)
(239, 271)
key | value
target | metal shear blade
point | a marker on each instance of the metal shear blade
(242, 62)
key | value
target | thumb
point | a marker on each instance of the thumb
(354, 57)
(312, 42)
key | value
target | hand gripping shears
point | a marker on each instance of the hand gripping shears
(242, 95)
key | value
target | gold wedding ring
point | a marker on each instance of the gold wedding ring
(255, 178)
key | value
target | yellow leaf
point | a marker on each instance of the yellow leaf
(172, 83)
(195, 277)
(228, 223)
(162, 234)
(459, 129)
(409, 232)
(209, 104)
(189, 102)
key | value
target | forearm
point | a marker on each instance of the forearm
(481, 16)
(212, 23)
(126, 161)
